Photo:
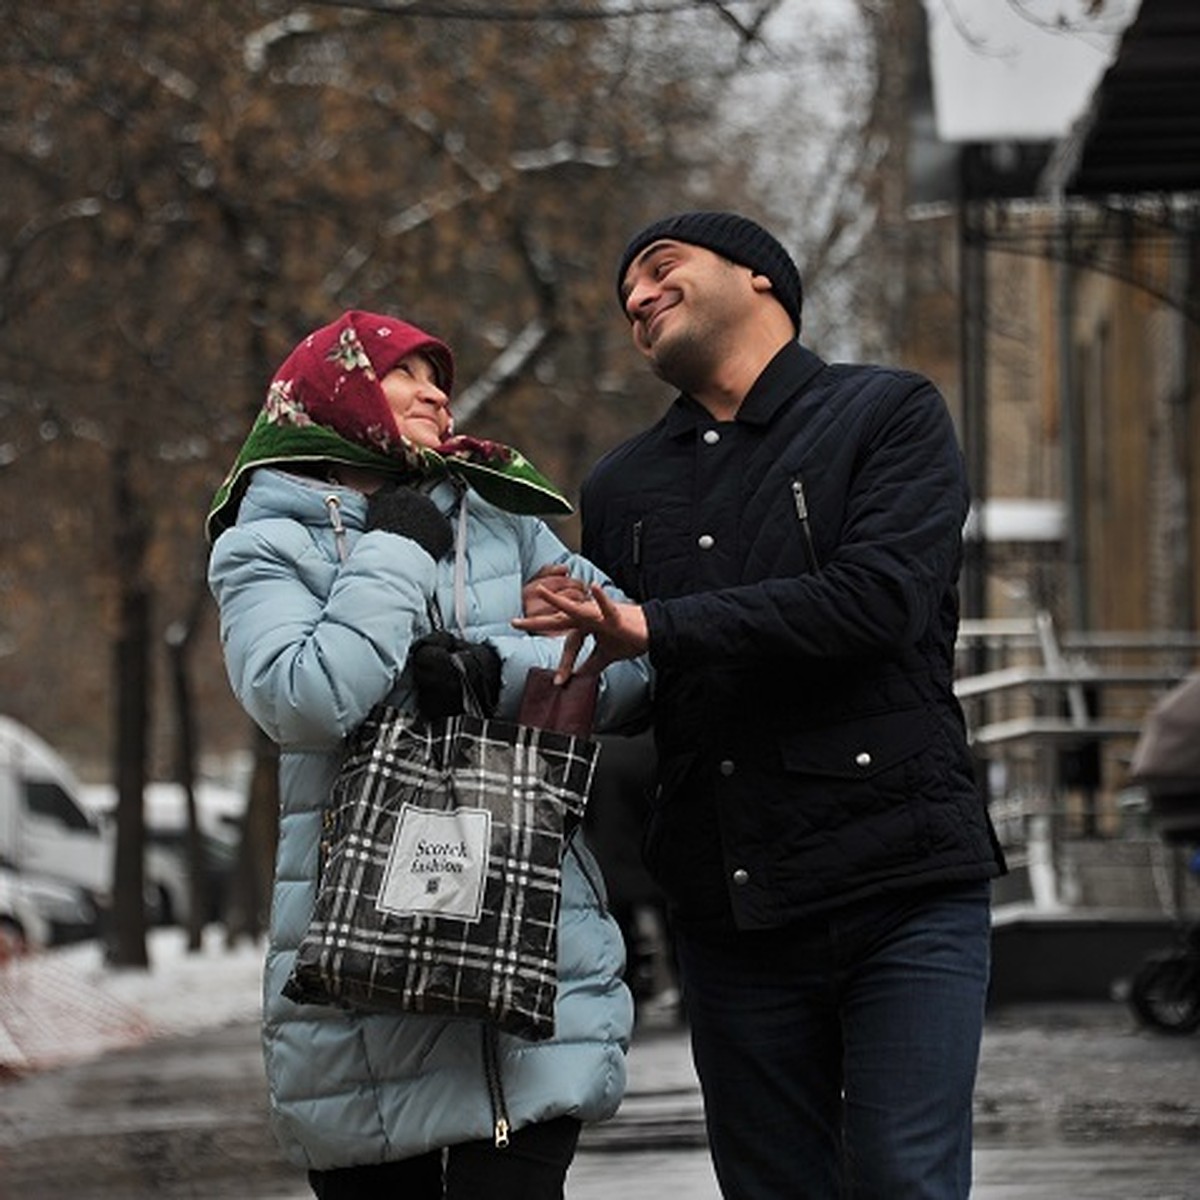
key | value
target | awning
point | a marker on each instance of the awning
(1141, 130)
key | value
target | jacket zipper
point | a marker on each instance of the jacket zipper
(491, 1039)
(637, 559)
(491, 1044)
(491, 1067)
(801, 501)
(328, 833)
(585, 871)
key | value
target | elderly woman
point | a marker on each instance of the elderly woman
(348, 510)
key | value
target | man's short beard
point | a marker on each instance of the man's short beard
(686, 363)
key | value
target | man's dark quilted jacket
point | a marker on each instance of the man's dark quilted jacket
(798, 569)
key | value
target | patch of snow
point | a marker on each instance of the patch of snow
(68, 1004)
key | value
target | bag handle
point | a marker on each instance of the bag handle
(471, 699)
(470, 696)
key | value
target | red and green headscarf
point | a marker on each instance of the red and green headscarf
(326, 404)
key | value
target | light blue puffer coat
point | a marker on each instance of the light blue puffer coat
(311, 644)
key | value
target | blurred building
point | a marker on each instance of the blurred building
(1054, 295)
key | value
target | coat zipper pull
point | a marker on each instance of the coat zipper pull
(801, 501)
(501, 1134)
(491, 1069)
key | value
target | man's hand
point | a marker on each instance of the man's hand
(554, 579)
(619, 630)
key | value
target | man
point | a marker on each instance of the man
(792, 531)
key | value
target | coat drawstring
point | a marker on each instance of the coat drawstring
(460, 563)
(334, 505)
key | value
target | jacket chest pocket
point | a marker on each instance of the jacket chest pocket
(657, 554)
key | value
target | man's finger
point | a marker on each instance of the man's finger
(607, 605)
(594, 663)
(578, 610)
(566, 663)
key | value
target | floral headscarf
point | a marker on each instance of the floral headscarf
(326, 404)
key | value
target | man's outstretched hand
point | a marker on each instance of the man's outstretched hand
(618, 630)
(555, 578)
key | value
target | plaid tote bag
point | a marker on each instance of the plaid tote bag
(442, 869)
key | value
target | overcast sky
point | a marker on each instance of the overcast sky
(1002, 69)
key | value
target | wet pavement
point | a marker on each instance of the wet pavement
(1075, 1102)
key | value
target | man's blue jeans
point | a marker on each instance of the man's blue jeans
(837, 1055)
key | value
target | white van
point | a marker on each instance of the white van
(52, 828)
(50, 845)
(44, 829)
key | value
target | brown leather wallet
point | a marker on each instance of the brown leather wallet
(564, 708)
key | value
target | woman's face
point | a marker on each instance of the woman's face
(420, 407)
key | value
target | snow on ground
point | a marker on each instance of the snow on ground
(63, 1005)
(181, 992)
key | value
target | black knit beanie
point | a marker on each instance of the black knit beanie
(732, 236)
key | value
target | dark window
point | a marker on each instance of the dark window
(47, 799)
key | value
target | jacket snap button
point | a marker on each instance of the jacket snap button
(707, 541)
(741, 876)
(727, 766)
(712, 437)
(862, 758)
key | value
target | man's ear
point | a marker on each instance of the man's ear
(760, 283)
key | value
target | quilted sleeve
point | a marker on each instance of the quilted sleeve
(311, 646)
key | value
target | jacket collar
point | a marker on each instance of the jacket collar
(784, 377)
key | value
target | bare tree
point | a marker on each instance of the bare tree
(185, 197)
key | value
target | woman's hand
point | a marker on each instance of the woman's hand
(397, 508)
(443, 664)
(556, 579)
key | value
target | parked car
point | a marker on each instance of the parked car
(36, 912)
(54, 831)
(44, 830)
(219, 812)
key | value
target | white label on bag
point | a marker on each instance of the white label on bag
(438, 862)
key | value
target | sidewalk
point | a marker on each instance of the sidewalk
(655, 1146)
(1074, 1102)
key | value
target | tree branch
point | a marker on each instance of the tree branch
(507, 366)
(84, 208)
(544, 13)
(512, 362)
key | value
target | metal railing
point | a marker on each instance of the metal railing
(1053, 720)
